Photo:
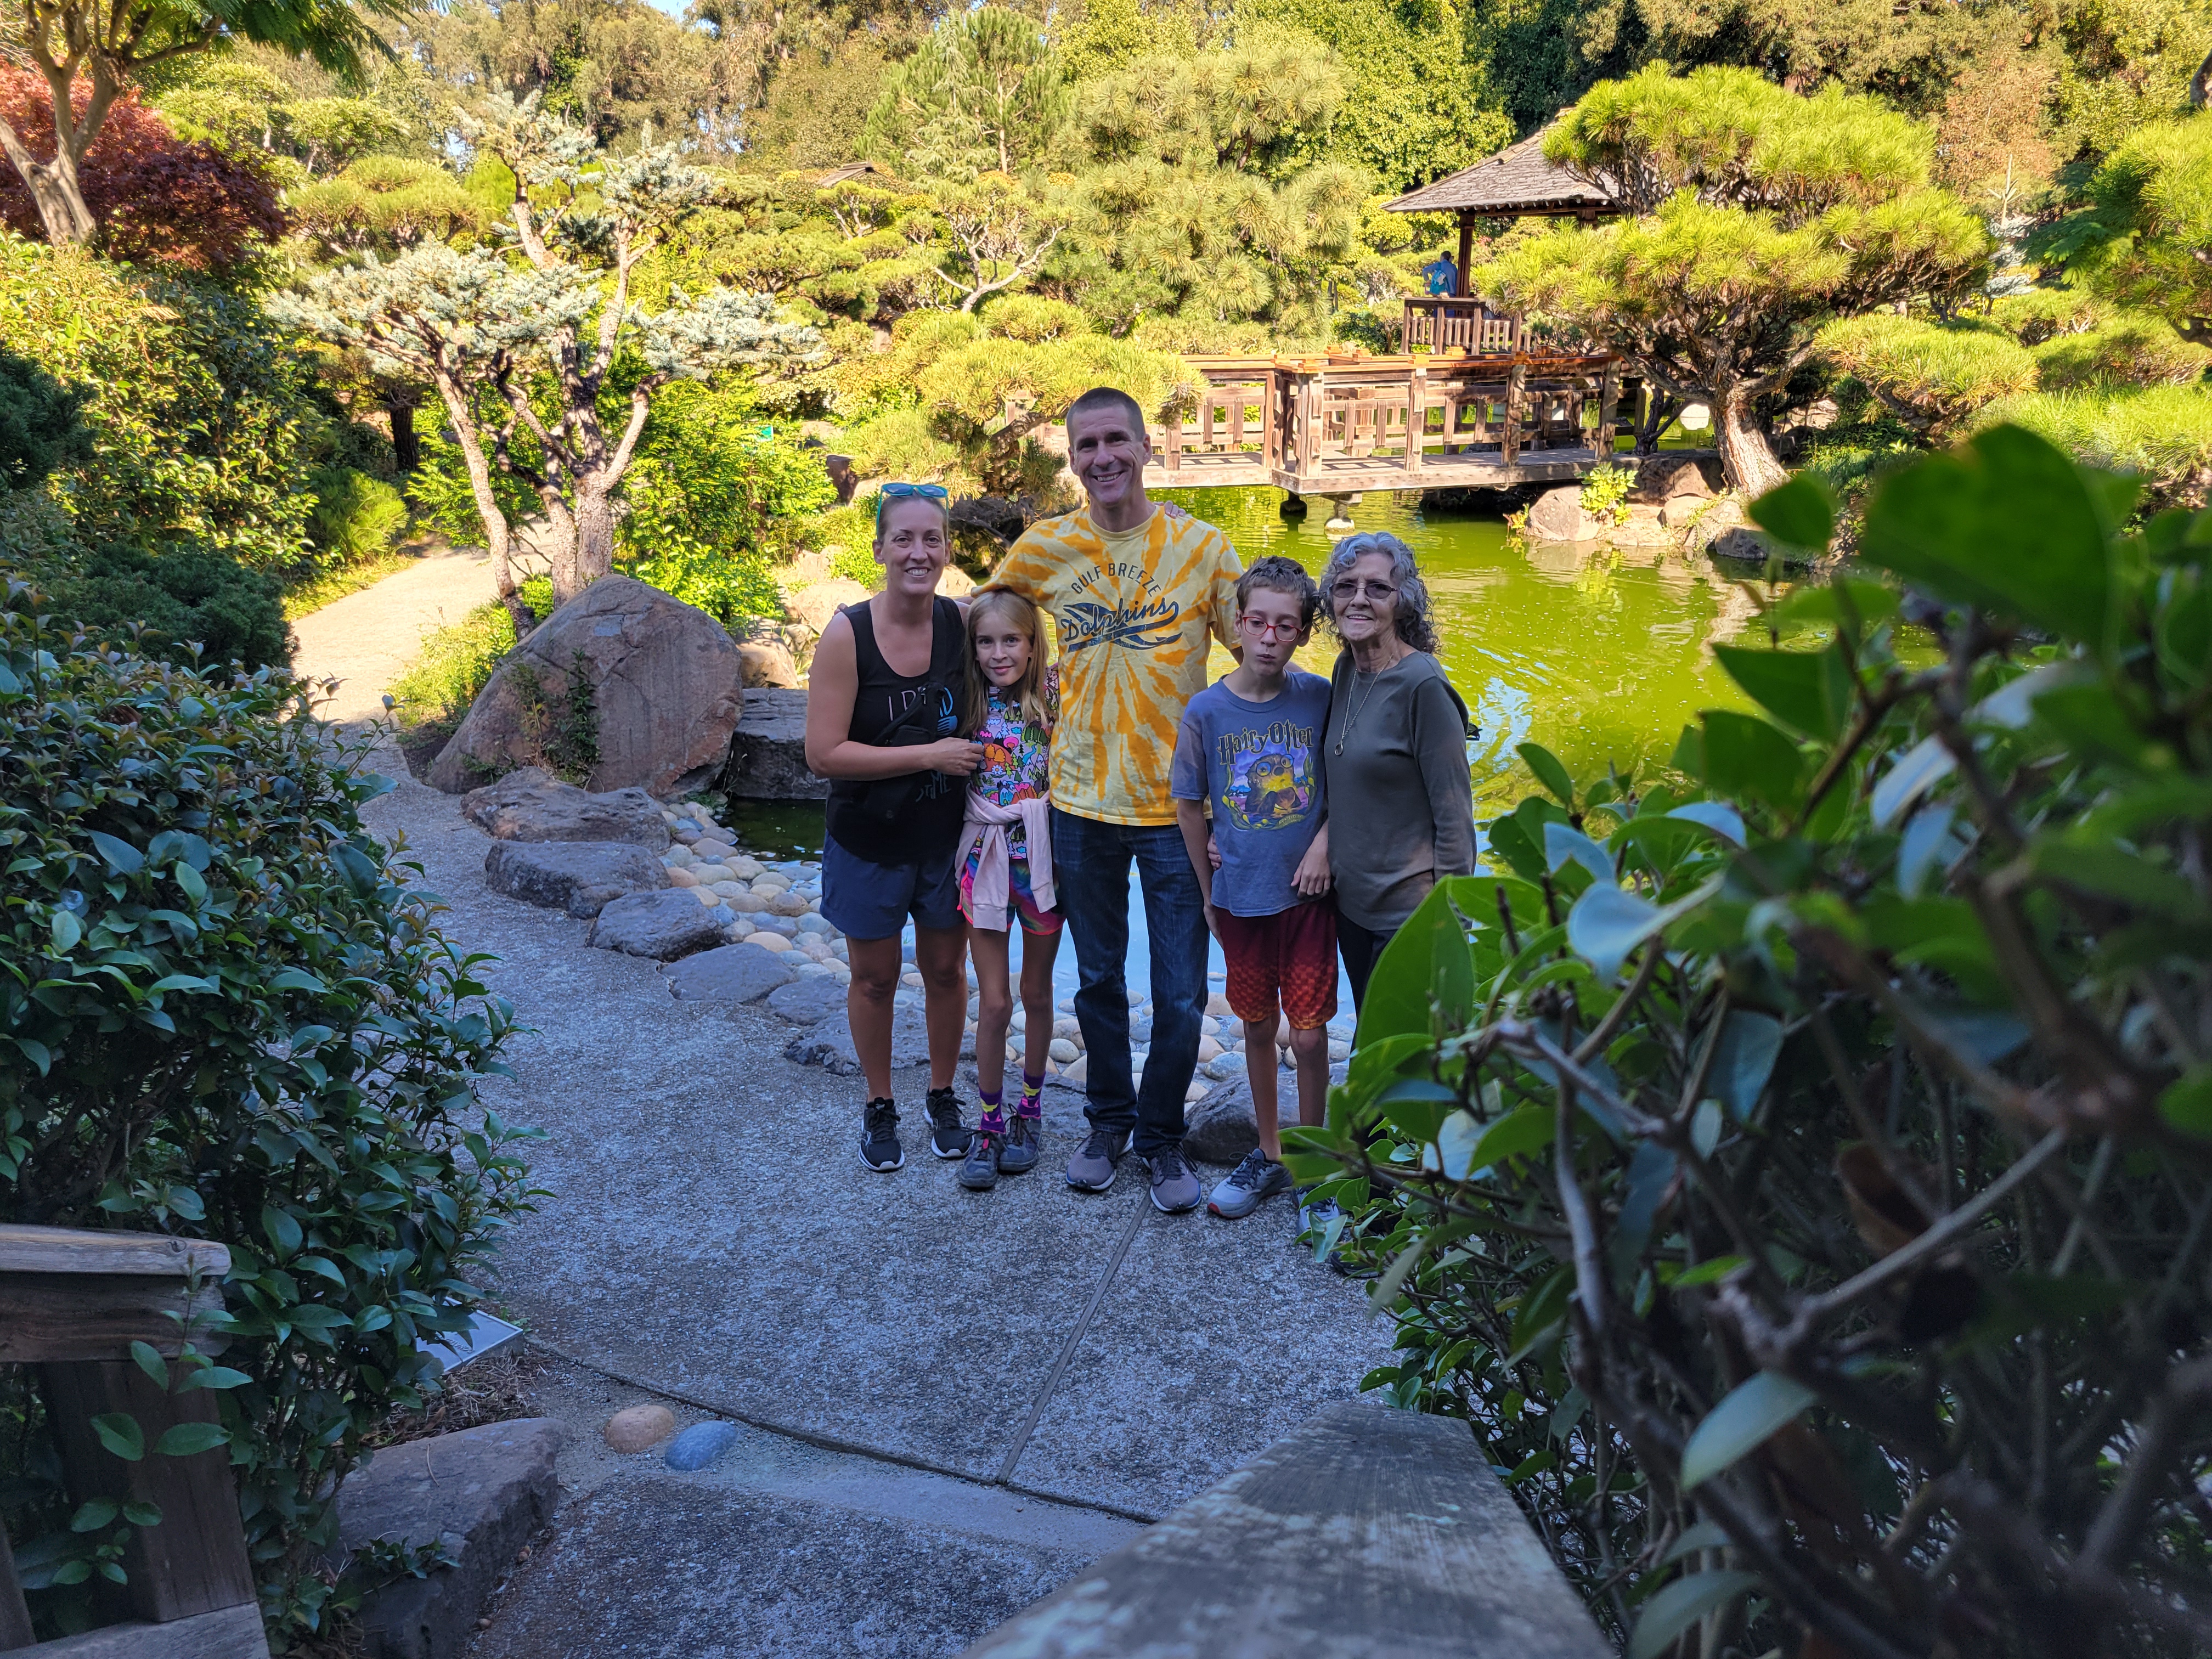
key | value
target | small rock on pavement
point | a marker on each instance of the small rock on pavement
(579, 877)
(1220, 1129)
(808, 1001)
(732, 973)
(483, 1493)
(639, 1428)
(663, 926)
(701, 1445)
(530, 804)
(829, 1044)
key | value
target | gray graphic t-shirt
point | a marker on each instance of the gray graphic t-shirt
(1257, 763)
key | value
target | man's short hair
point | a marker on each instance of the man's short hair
(1278, 575)
(1101, 398)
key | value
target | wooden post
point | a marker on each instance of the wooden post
(14, 1613)
(1608, 407)
(1509, 447)
(1466, 251)
(1171, 440)
(1417, 415)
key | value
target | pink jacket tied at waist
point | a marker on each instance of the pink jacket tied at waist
(985, 829)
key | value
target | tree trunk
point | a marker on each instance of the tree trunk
(1746, 458)
(497, 536)
(594, 548)
(54, 190)
(405, 445)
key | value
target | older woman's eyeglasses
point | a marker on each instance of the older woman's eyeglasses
(1351, 587)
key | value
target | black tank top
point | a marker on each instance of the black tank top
(915, 817)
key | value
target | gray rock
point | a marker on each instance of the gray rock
(1221, 1127)
(730, 973)
(1719, 517)
(663, 926)
(482, 1493)
(829, 1044)
(701, 1445)
(767, 752)
(665, 684)
(530, 804)
(1557, 516)
(1364, 1533)
(579, 877)
(807, 1001)
(1676, 472)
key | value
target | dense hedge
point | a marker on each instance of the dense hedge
(228, 1014)
(1793, 1162)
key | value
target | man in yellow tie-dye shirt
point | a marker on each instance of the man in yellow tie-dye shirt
(1138, 593)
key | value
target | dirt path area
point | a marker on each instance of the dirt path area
(364, 639)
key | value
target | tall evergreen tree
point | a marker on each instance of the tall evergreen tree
(984, 93)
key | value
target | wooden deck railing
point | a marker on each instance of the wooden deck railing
(72, 1303)
(1450, 324)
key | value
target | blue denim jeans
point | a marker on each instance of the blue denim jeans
(1090, 875)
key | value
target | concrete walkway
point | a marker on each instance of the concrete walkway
(366, 639)
(978, 1393)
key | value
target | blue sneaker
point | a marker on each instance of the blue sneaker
(1249, 1185)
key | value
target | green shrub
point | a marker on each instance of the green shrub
(186, 604)
(1931, 375)
(40, 423)
(355, 517)
(1791, 1163)
(1605, 493)
(2163, 434)
(456, 663)
(228, 1016)
(2130, 349)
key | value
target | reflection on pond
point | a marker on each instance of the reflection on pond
(1598, 654)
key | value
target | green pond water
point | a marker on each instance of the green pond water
(1599, 655)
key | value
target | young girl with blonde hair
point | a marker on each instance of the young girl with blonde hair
(1012, 704)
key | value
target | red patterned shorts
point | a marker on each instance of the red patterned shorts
(1287, 960)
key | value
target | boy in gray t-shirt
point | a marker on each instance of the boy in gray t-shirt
(1250, 750)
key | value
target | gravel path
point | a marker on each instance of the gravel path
(366, 639)
(711, 1238)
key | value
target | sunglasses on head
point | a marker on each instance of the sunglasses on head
(935, 492)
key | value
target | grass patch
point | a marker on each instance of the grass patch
(328, 587)
(434, 691)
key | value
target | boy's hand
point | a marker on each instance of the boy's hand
(1311, 878)
(1212, 851)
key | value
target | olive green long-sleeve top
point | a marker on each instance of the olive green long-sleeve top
(1400, 802)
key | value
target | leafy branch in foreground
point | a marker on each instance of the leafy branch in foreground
(1793, 1165)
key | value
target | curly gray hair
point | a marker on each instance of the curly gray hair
(1412, 608)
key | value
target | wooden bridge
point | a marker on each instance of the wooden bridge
(1344, 424)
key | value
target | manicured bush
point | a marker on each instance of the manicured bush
(185, 604)
(1791, 1162)
(40, 423)
(2163, 434)
(228, 1014)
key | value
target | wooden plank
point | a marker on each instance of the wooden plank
(226, 1633)
(73, 1250)
(195, 1561)
(14, 1613)
(1417, 415)
(1510, 445)
(74, 1316)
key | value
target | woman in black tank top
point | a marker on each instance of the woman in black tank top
(882, 725)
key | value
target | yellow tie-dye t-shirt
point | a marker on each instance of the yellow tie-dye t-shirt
(1134, 611)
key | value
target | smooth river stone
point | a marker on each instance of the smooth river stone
(701, 1445)
(639, 1428)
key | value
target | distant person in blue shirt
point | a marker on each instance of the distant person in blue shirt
(1442, 274)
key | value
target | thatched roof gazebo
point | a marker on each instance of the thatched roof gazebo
(1518, 182)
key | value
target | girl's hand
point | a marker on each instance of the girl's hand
(1311, 878)
(1213, 922)
(955, 757)
(1212, 851)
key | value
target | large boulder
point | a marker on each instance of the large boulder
(1221, 1127)
(829, 1043)
(817, 602)
(768, 662)
(579, 877)
(767, 752)
(1557, 516)
(482, 1493)
(1675, 472)
(530, 804)
(662, 926)
(663, 683)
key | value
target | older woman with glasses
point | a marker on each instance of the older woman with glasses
(1394, 753)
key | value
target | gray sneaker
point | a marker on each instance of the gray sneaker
(1174, 1183)
(979, 1172)
(1091, 1168)
(1019, 1155)
(1251, 1184)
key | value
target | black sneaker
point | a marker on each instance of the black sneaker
(947, 1139)
(880, 1143)
(1019, 1155)
(979, 1170)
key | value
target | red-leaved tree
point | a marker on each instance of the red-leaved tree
(156, 198)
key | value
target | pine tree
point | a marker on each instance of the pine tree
(521, 349)
(1753, 217)
(984, 93)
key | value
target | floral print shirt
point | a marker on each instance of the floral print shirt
(1017, 763)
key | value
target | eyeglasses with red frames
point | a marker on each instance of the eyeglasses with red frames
(1267, 631)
